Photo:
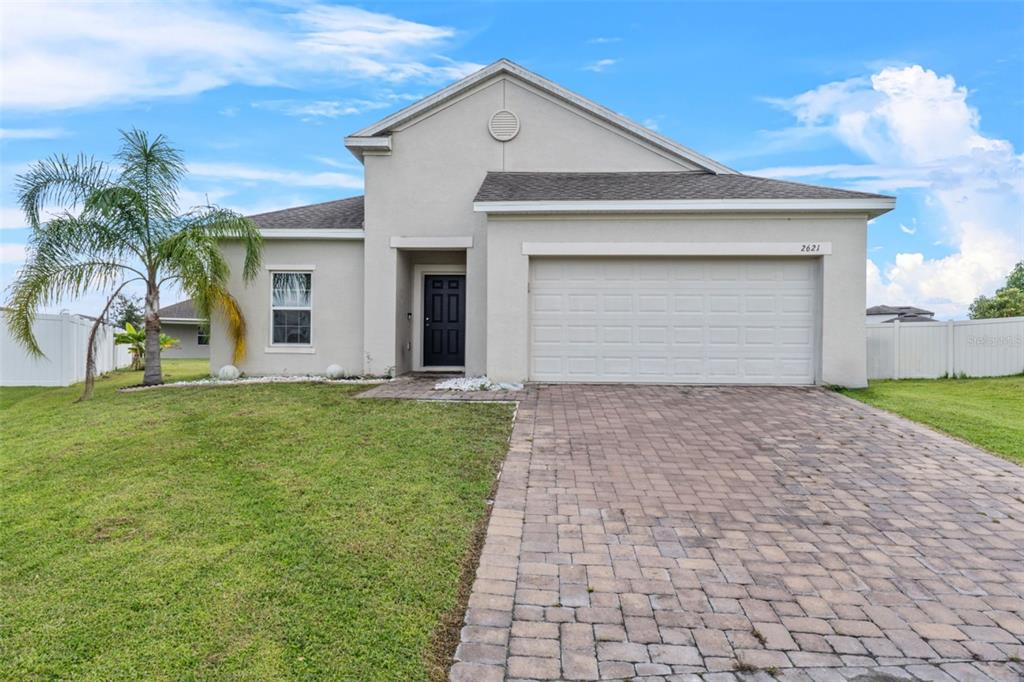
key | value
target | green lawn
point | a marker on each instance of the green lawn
(256, 532)
(986, 412)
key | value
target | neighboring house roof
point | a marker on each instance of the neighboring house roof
(913, 317)
(184, 311)
(340, 214)
(371, 138)
(898, 310)
(649, 186)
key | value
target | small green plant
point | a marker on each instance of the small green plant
(135, 339)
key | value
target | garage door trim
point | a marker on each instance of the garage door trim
(805, 249)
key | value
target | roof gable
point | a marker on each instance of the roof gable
(372, 139)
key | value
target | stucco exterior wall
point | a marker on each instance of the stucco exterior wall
(842, 344)
(337, 317)
(188, 341)
(425, 188)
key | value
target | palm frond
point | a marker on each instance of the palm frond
(88, 235)
(154, 169)
(59, 180)
(225, 304)
(48, 277)
(213, 224)
(122, 210)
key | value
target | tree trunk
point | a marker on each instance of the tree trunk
(153, 374)
(90, 349)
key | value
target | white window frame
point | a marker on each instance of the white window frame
(285, 347)
(199, 335)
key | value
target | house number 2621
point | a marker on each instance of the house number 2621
(810, 248)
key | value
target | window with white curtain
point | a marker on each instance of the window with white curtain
(292, 308)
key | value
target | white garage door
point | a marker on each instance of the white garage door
(674, 320)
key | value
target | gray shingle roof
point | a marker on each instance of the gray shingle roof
(913, 317)
(897, 310)
(336, 215)
(654, 186)
(182, 310)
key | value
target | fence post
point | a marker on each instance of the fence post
(896, 348)
(950, 354)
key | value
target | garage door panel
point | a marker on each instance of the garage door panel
(674, 320)
(616, 367)
(617, 303)
(719, 303)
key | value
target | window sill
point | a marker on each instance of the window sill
(290, 350)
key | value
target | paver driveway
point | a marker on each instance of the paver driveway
(655, 532)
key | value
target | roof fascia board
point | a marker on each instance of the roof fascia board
(868, 206)
(182, 320)
(298, 233)
(505, 66)
(361, 146)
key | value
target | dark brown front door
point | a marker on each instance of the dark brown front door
(444, 320)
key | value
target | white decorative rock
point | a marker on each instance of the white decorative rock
(335, 372)
(228, 373)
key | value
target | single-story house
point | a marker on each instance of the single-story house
(514, 229)
(180, 321)
(904, 313)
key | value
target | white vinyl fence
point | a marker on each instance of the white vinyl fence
(928, 350)
(63, 339)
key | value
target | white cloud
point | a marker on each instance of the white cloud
(651, 123)
(31, 133)
(65, 55)
(240, 172)
(308, 110)
(907, 230)
(918, 131)
(600, 65)
(604, 40)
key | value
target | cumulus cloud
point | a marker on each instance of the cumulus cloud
(918, 131)
(61, 56)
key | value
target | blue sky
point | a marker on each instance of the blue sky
(925, 101)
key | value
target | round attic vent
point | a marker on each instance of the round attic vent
(504, 125)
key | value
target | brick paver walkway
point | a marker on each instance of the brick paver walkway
(675, 532)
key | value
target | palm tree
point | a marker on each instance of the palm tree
(127, 229)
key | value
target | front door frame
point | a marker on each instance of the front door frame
(419, 273)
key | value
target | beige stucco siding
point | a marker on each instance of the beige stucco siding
(337, 316)
(842, 344)
(426, 186)
(188, 341)
(553, 137)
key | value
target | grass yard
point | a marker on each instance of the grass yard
(986, 412)
(279, 531)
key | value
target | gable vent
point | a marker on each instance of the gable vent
(504, 125)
